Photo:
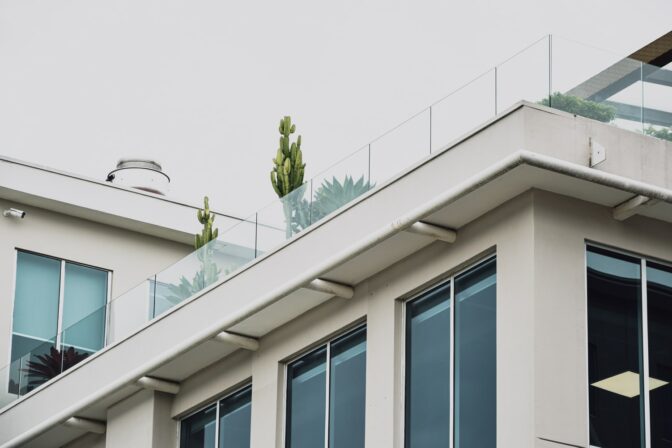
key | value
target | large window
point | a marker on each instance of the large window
(451, 363)
(629, 339)
(225, 424)
(59, 317)
(326, 395)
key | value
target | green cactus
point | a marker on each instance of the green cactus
(287, 176)
(209, 271)
(288, 166)
(206, 218)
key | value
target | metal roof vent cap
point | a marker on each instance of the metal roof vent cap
(142, 174)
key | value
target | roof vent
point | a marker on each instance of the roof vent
(143, 174)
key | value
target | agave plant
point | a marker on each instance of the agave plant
(208, 274)
(333, 194)
(51, 364)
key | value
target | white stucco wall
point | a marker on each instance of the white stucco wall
(131, 257)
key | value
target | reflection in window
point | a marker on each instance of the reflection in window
(225, 424)
(199, 430)
(333, 374)
(614, 296)
(59, 318)
(659, 298)
(429, 337)
(428, 370)
(476, 357)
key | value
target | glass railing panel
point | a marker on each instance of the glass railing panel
(10, 380)
(129, 311)
(595, 84)
(82, 339)
(283, 218)
(401, 148)
(576, 67)
(35, 368)
(86, 335)
(657, 101)
(525, 76)
(203, 267)
(237, 246)
(340, 184)
(184, 279)
(626, 100)
(463, 110)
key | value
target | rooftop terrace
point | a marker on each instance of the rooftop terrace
(632, 94)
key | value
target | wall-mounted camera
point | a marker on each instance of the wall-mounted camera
(14, 213)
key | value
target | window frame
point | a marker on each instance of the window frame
(217, 403)
(61, 296)
(643, 263)
(310, 349)
(447, 279)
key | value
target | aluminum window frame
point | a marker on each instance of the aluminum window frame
(448, 279)
(217, 404)
(61, 296)
(285, 377)
(646, 393)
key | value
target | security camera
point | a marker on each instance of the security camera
(14, 213)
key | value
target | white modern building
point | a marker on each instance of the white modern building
(501, 278)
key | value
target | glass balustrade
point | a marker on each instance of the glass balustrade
(553, 71)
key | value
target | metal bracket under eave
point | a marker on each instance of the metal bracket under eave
(86, 424)
(333, 288)
(631, 207)
(159, 385)
(432, 230)
(244, 342)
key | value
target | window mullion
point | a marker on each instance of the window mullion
(452, 365)
(327, 401)
(217, 425)
(108, 310)
(645, 358)
(61, 300)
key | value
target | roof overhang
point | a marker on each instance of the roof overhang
(102, 202)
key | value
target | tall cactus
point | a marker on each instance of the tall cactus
(209, 270)
(206, 218)
(288, 166)
(287, 176)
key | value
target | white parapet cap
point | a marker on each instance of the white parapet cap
(101, 201)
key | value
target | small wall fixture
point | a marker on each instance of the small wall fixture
(598, 153)
(14, 213)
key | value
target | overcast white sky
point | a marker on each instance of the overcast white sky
(201, 84)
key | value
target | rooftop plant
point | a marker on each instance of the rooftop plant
(579, 106)
(287, 176)
(288, 166)
(662, 133)
(209, 271)
(333, 194)
(206, 219)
